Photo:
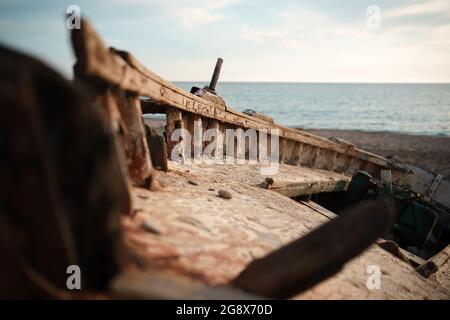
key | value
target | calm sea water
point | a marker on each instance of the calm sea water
(407, 108)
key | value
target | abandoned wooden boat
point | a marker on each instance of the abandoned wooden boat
(143, 221)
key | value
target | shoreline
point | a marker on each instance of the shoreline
(405, 133)
(428, 151)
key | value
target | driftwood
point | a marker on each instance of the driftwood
(63, 188)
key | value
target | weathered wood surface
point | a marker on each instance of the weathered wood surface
(398, 281)
(62, 186)
(187, 230)
(327, 213)
(318, 255)
(137, 284)
(442, 261)
(307, 181)
(119, 68)
(295, 180)
(158, 149)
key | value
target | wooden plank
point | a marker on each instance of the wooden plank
(420, 180)
(288, 154)
(343, 163)
(306, 158)
(296, 154)
(443, 257)
(295, 188)
(149, 107)
(323, 211)
(326, 159)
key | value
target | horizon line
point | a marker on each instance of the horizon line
(313, 82)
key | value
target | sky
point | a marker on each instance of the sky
(267, 41)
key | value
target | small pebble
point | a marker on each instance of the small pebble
(225, 194)
(264, 185)
(211, 189)
(148, 226)
(193, 183)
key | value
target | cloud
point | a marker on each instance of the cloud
(201, 13)
(346, 50)
(291, 29)
(282, 38)
(188, 13)
(441, 7)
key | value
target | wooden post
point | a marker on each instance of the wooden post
(314, 157)
(386, 179)
(197, 137)
(174, 122)
(297, 155)
(134, 139)
(283, 145)
(218, 140)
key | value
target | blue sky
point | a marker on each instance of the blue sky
(305, 41)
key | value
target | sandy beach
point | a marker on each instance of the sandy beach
(431, 152)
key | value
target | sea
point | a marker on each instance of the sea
(422, 109)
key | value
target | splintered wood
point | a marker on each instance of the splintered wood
(198, 235)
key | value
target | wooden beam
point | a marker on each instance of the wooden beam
(323, 211)
(134, 139)
(295, 188)
(149, 107)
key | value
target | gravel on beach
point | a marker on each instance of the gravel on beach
(430, 152)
